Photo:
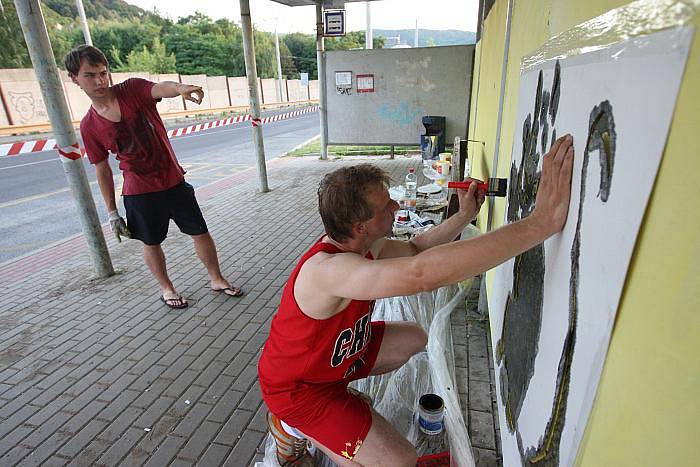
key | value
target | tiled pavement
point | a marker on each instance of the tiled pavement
(99, 372)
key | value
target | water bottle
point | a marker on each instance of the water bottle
(411, 185)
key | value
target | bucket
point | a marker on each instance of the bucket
(431, 410)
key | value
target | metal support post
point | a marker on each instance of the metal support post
(321, 64)
(252, 74)
(37, 38)
(83, 22)
(368, 30)
(280, 91)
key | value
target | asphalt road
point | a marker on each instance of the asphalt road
(37, 208)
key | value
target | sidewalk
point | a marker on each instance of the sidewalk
(100, 372)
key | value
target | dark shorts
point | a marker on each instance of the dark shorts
(148, 215)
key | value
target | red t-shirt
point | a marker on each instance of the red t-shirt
(302, 353)
(139, 140)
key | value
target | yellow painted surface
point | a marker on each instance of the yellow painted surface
(648, 403)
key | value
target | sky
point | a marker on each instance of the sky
(385, 14)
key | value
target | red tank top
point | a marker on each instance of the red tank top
(302, 353)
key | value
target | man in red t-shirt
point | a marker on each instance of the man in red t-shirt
(123, 120)
(322, 336)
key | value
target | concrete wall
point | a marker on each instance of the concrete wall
(23, 103)
(408, 84)
(645, 411)
(313, 89)
(218, 92)
(174, 104)
(269, 89)
(296, 91)
(197, 80)
(22, 96)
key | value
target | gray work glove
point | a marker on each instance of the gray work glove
(118, 226)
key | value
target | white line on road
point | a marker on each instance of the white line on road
(29, 163)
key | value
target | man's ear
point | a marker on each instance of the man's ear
(73, 78)
(359, 228)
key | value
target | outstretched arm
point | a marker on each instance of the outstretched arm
(470, 202)
(348, 275)
(173, 89)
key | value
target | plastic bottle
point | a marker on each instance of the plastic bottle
(411, 186)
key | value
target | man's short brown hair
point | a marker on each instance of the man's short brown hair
(88, 53)
(342, 198)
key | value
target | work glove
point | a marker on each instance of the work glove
(118, 226)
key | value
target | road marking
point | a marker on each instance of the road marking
(29, 163)
(117, 188)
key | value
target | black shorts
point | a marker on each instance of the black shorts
(148, 215)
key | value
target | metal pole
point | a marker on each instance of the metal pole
(415, 35)
(252, 74)
(37, 39)
(280, 93)
(368, 32)
(83, 22)
(321, 63)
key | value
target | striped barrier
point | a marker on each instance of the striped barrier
(27, 147)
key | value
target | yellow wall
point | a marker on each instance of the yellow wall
(648, 402)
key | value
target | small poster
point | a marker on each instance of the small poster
(365, 83)
(343, 82)
(304, 79)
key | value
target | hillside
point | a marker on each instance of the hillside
(426, 37)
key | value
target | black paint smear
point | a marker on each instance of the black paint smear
(538, 100)
(544, 112)
(556, 90)
(545, 130)
(602, 137)
(554, 137)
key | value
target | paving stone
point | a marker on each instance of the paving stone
(481, 429)
(199, 441)
(214, 455)
(245, 449)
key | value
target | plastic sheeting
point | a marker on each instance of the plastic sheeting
(617, 25)
(396, 394)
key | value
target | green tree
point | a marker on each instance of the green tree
(302, 51)
(154, 60)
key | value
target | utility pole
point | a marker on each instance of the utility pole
(280, 92)
(321, 64)
(37, 39)
(415, 35)
(252, 74)
(83, 22)
(368, 31)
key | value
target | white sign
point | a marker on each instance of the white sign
(304, 79)
(334, 23)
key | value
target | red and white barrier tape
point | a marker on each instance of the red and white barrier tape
(26, 147)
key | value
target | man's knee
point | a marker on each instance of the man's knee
(418, 339)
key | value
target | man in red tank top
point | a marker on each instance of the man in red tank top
(123, 120)
(322, 336)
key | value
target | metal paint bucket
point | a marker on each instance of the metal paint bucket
(431, 412)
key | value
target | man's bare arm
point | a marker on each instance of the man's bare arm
(470, 202)
(173, 89)
(105, 181)
(352, 276)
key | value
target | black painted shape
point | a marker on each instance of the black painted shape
(556, 91)
(602, 137)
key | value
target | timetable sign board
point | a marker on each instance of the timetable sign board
(334, 23)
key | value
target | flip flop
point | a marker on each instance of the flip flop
(176, 303)
(230, 291)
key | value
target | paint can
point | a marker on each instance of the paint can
(431, 412)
